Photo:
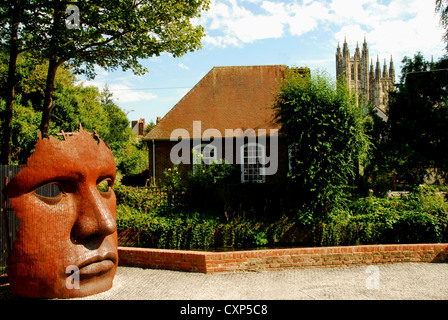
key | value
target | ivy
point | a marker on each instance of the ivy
(321, 118)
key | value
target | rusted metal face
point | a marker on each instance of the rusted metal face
(66, 244)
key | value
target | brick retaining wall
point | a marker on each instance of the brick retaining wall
(281, 259)
(181, 260)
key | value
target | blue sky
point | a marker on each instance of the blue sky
(293, 33)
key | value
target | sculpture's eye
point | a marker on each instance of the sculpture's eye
(50, 193)
(104, 186)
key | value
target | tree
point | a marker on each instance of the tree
(74, 103)
(114, 34)
(325, 128)
(442, 9)
(13, 53)
(24, 121)
(151, 124)
(418, 117)
(108, 34)
(378, 173)
(120, 131)
(12, 15)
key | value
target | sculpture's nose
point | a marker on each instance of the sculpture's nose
(94, 220)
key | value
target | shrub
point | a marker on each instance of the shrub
(257, 215)
(192, 231)
(143, 199)
(322, 121)
(420, 216)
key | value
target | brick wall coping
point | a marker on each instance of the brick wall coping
(281, 259)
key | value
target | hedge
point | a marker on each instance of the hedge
(417, 217)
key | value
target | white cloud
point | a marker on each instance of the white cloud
(183, 66)
(121, 92)
(253, 28)
(352, 32)
(306, 17)
(124, 94)
(343, 11)
(231, 23)
(220, 41)
(400, 27)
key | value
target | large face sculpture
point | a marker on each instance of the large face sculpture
(66, 243)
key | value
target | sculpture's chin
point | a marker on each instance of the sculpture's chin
(64, 288)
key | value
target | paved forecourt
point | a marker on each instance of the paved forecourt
(393, 281)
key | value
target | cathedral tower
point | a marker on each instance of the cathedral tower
(370, 84)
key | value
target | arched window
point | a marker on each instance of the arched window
(353, 71)
(359, 72)
(252, 159)
(203, 154)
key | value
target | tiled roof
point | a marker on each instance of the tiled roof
(226, 98)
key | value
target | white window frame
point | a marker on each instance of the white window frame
(198, 154)
(260, 164)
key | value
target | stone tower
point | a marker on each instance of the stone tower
(369, 84)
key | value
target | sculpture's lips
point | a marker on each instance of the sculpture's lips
(97, 265)
(97, 268)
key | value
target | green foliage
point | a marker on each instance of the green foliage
(119, 132)
(147, 214)
(323, 122)
(173, 180)
(418, 118)
(105, 34)
(74, 104)
(24, 129)
(417, 217)
(414, 217)
(378, 172)
(121, 34)
(218, 172)
(131, 156)
(190, 231)
(204, 186)
(142, 199)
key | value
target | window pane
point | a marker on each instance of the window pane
(251, 166)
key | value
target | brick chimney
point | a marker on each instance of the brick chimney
(138, 126)
(141, 127)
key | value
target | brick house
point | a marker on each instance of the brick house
(227, 115)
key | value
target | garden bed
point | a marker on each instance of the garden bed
(419, 216)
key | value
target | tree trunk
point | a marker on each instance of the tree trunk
(52, 69)
(10, 84)
(48, 100)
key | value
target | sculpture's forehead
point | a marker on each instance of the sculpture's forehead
(79, 157)
(79, 152)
